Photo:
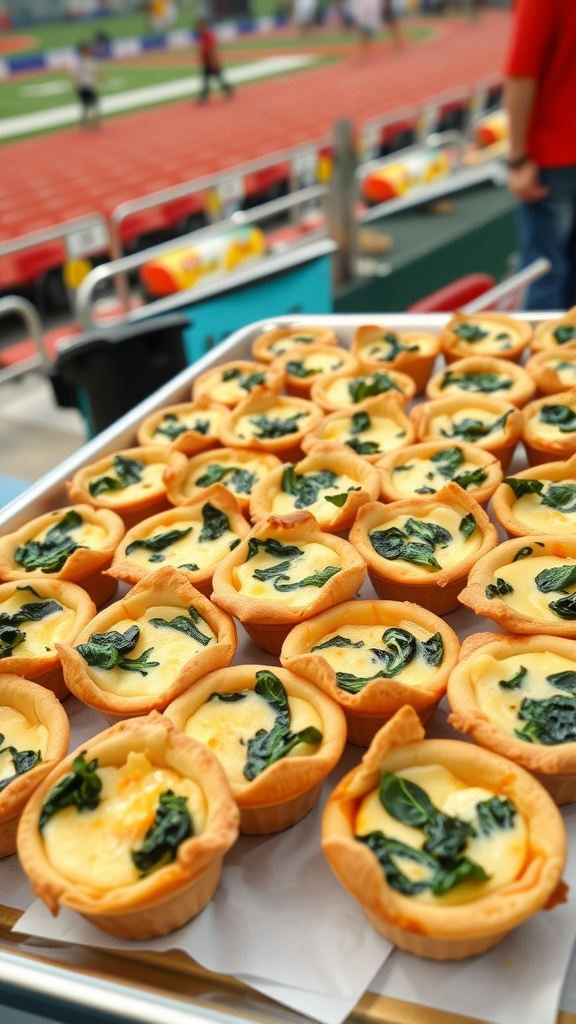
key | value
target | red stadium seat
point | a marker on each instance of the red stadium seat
(454, 295)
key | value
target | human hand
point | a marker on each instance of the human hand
(524, 183)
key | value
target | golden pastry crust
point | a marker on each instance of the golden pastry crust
(553, 369)
(232, 382)
(131, 562)
(396, 483)
(525, 515)
(141, 496)
(97, 532)
(287, 789)
(411, 352)
(355, 483)
(337, 391)
(238, 469)
(420, 682)
(303, 364)
(470, 693)
(121, 692)
(432, 928)
(502, 585)
(36, 656)
(555, 333)
(171, 895)
(502, 378)
(549, 430)
(515, 336)
(39, 708)
(274, 341)
(431, 577)
(189, 427)
(270, 423)
(371, 428)
(506, 421)
(269, 617)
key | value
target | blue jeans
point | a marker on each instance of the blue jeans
(548, 228)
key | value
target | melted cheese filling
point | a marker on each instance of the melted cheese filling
(314, 557)
(247, 426)
(565, 371)
(43, 635)
(226, 728)
(22, 734)
(252, 465)
(410, 477)
(86, 535)
(93, 847)
(549, 431)
(361, 662)
(502, 384)
(319, 362)
(383, 431)
(169, 646)
(322, 510)
(338, 392)
(502, 854)
(186, 551)
(501, 704)
(526, 598)
(231, 390)
(282, 345)
(447, 426)
(454, 551)
(491, 342)
(379, 349)
(151, 480)
(543, 518)
(189, 421)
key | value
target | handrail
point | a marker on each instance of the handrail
(55, 233)
(506, 289)
(17, 304)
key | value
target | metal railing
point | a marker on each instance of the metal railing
(28, 313)
(509, 294)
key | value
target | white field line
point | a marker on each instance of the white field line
(132, 99)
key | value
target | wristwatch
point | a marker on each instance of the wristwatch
(519, 162)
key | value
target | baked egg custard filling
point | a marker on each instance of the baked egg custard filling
(471, 424)
(286, 573)
(428, 543)
(346, 390)
(172, 424)
(544, 506)
(237, 473)
(485, 336)
(365, 433)
(387, 346)
(22, 744)
(194, 543)
(426, 476)
(273, 423)
(539, 586)
(320, 492)
(127, 478)
(31, 626)
(49, 549)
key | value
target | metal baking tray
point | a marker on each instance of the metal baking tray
(71, 983)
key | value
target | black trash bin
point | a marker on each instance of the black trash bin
(105, 373)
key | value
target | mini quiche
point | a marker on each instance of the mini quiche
(483, 375)
(230, 383)
(373, 427)
(549, 430)
(411, 352)
(193, 538)
(422, 549)
(302, 365)
(276, 735)
(271, 423)
(143, 651)
(491, 423)
(427, 467)
(332, 483)
(237, 469)
(275, 341)
(527, 585)
(554, 371)
(538, 500)
(484, 334)
(373, 657)
(128, 482)
(516, 695)
(285, 571)
(555, 333)
(190, 427)
(75, 543)
(34, 734)
(34, 618)
(130, 830)
(446, 846)
(345, 390)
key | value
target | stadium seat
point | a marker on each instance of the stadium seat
(454, 295)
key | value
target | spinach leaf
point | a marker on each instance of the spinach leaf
(498, 589)
(359, 422)
(548, 721)
(557, 578)
(266, 747)
(436, 535)
(425, 490)
(467, 525)
(79, 788)
(232, 373)
(496, 813)
(157, 543)
(360, 388)
(17, 761)
(34, 611)
(432, 650)
(524, 552)
(564, 333)
(363, 447)
(188, 626)
(229, 698)
(561, 416)
(109, 650)
(405, 801)
(305, 487)
(485, 383)
(389, 347)
(172, 825)
(515, 681)
(297, 368)
(128, 472)
(10, 638)
(273, 547)
(469, 429)
(340, 499)
(392, 544)
(469, 332)
(471, 478)
(215, 523)
(241, 480)
(402, 650)
(317, 579)
(170, 426)
(446, 462)
(252, 380)
(271, 571)
(447, 837)
(267, 428)
(565, 607)
(391, 853)
(521, 487)
(563, 681)
(561, 497)
(52, 553)
(338, 641)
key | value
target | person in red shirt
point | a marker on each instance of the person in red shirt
(540, 99)
(210, 60)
